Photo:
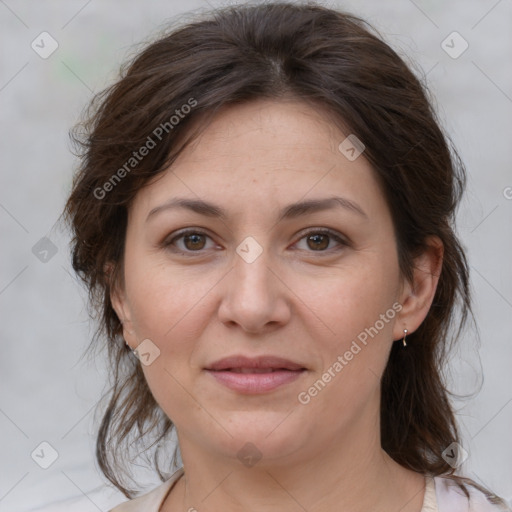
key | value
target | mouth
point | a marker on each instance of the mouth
(254, 370)
(262, 364)
(255, 375)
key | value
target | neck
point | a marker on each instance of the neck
(353, 474)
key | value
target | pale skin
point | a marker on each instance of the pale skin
(294, 300)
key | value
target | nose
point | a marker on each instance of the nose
(255, 295)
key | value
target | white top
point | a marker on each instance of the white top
(441, 495)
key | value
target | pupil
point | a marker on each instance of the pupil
(195, 239)
(316, 239)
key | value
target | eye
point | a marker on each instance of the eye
(193, 241)
(318, 240)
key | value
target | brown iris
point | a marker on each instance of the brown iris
(316, 238)
(196, 241)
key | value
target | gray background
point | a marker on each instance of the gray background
(48, 392)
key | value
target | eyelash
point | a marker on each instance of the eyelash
(324, 231)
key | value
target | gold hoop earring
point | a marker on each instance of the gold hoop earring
(403, 340)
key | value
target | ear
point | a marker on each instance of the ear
(121, 306)
(416, 297)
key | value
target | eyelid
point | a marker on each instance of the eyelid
(338, 237)
(182, 233)
(322, 230)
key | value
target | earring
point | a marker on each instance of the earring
(133, 351)
(403, 340)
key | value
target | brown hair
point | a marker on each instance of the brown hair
(328, 59)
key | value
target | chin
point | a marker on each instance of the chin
(268, 437)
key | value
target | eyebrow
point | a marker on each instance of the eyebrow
(289, 212)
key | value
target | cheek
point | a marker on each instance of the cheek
(171, 308)
(351, 299)
(354, 318)
(168, 309)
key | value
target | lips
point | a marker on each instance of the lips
(262, 364)
(255, 375)
(252, 370)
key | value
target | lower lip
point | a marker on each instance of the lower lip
(253, 383)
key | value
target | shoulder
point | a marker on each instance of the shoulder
(459, 494)
(151, 501)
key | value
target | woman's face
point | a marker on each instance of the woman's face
(261, 280)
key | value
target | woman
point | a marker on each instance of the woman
(264, 220)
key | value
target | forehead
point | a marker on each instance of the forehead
(265, 150)
(252, 129)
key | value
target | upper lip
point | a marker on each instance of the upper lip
(240, 361)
